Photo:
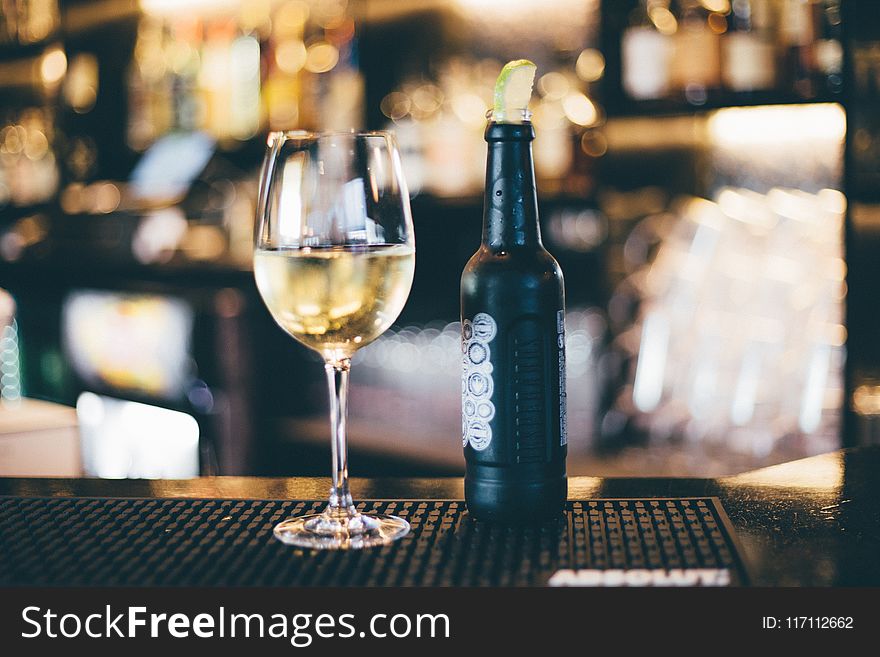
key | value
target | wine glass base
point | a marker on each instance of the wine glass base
(316, 533)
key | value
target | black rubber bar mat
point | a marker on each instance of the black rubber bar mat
(198, 542)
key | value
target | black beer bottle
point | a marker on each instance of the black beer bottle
(513, 347)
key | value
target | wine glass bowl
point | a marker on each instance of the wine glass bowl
(334, 261)
(335, 300)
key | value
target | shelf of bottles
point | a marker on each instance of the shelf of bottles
(238, 69)
(32, 65)
(439, 111)
(440, 122)
(679, 55)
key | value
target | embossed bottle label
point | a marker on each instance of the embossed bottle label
(528, 390)
(563, 404)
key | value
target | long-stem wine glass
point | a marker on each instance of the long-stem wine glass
(334, 262)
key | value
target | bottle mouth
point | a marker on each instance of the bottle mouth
(508, 131)
(510, 116)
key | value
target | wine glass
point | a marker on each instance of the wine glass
(334, 261)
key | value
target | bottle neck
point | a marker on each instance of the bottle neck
(510, 212)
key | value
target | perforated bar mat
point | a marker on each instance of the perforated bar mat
(186, 542)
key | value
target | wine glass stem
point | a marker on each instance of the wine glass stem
(337, 380)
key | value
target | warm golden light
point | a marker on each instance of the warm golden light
(747, 207)
(321, 57)
(470, 109)
(107, 198)
(291, 16)
(512, 7)
(396, 105)
(593, 143)
(81, 84)
(833, 201)
(329, 14)
(719, 6)
(771, 125)
(820, 474)
(169, 7)
(590, 65)
(553, 85)
(837, 335)
(12, 139)
(53, 66)
(291, 55)
(717, 23)
(663, 20)
(579, 109)
(866, 400)
(427, 98)
(37, 146)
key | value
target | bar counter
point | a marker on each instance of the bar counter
(812, 522)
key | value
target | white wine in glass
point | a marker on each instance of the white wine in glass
(334, 263)
(338, 299)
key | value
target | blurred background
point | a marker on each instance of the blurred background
(708, 176)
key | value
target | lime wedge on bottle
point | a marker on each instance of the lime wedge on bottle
(513, 90)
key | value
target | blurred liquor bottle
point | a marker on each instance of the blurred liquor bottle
(269, 66)
(748, 48)
(189, 73)
(646, 50)
(797, 35)
(150, 87)
(714, 51)
(285, 59)
(696, 57)
(829, 46)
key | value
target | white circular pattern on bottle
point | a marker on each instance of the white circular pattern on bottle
(479, 435)
(477, 353)
(483, 327)
(476, 379)
(479, 385)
